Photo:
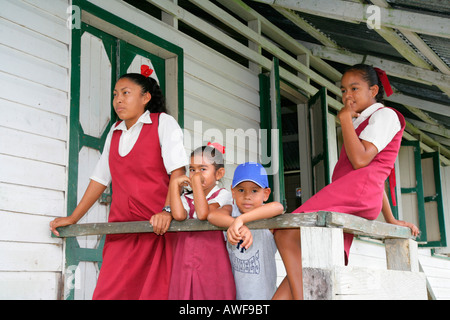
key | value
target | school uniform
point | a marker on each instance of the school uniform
(254, 269)
(202, 270)
(138, 162)
(363, 187)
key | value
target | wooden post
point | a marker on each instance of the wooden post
(401, 254)
(322, 250)
(322, 247)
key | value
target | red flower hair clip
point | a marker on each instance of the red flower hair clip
(146, 71)
(218, 146)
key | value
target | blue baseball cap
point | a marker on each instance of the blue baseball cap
(250, 171)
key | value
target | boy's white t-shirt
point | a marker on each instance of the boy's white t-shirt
(170, 138)
(382, 127)
(254, 269)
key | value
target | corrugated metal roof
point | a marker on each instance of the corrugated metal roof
(358, 38)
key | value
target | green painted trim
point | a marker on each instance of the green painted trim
(280, 131)
(418, 189)
(322, 95)
(265, 124)
(147, 36)
(77, 138)
(438, 199)
(127, 52)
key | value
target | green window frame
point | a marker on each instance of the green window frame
(113, 45)
(270, 117)
(424, 197)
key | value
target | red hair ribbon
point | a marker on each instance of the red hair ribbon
(146, 71)
(384, 81)
(218, 146)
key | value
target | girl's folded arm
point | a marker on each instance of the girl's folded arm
(221, 217)
(176, 206)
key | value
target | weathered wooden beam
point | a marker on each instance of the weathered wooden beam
(279, 222)
(357, 12)
(401, 254)
(349, 223)
(361, 226)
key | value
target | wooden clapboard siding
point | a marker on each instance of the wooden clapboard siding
(44, 285)
(43, 202)
(34, 102)
(371, 253)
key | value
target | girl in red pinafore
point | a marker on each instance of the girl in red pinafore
(372, 135)
(142, 153)
(201, 267)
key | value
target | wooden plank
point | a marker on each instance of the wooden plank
(32, 146)
(34, 69)
(30, 285)
(34, 201)
(401, 254)
(331, 244)
(361, 226)
(280, 222)
(357, 12)
(358, 283)
(33, 257)
(38, 96)
(30, 17)
(349, 223)
(28, 119)
(317, 284)
(32, 173)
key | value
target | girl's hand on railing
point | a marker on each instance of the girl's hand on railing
(60, 222)
(161, 222)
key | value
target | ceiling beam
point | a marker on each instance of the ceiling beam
(396, 69)
(245, 12)
(357, 12)
(267, 45)
(406, 50)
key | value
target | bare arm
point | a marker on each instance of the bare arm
(221, 217)
(161, 221)
(176, 205)
(201, 204)
(389, 217)
(359, 152)
(92, 193)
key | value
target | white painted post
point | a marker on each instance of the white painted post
(322, 247)
(322, 250)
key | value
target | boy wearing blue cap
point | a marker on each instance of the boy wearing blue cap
(252, 253)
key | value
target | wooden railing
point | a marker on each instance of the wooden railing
(324, 273)
(349, 224)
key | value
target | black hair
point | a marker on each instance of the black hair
(214, 155)
(157, 103)
(371, 77)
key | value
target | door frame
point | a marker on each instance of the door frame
(118, 28)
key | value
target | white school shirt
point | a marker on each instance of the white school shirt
(223, 198)
(170, 139)
(382, 127)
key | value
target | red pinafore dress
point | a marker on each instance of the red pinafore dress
(357, 192)
(201, 266)
(137, 266)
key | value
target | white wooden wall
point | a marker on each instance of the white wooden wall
(34, 103)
